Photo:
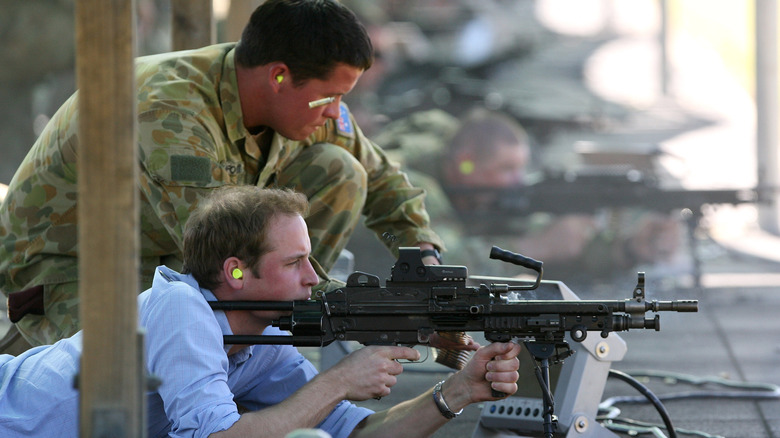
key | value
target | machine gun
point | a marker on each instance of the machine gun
(420, 300)
(591, 188)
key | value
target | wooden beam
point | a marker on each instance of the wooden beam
(767, 113)
(110, 380)
(193, 24)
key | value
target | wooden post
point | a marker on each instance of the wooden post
(193, 24)
(663, 43)
(110, 380)
(767, 114)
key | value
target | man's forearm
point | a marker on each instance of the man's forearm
(306, 408)
(417, 417)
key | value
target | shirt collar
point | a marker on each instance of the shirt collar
(224, 326)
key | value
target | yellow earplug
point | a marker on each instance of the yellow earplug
(466, 167)
(237, 274)
(279, 78)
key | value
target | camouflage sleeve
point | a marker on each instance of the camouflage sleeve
(38, 217)
(393, 206)
(181, 161)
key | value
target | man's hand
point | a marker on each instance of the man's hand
(656, 238)
(493, 367)
(428, 260)
(564, 239)
(371, 371)
(569, 235)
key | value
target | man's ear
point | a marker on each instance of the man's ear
(279, 75)
(233, 272)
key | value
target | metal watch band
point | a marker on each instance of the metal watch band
(438, 398)
(431, 252)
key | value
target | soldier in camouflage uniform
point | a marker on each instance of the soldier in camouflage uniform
(489, 149)
(227, 114)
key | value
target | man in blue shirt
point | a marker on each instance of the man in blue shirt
(244, 243)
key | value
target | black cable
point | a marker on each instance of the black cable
(748, 390)
(761, 390)
(650, 396)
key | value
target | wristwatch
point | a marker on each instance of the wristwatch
(438, 398)
(431, 252)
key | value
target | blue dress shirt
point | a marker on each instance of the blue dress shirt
(201, 384)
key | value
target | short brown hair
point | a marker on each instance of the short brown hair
(311, 37)
(233, 222)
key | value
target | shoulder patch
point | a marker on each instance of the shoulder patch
(344, 123)
(190, 168)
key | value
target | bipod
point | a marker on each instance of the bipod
(542, 352)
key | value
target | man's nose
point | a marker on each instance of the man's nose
(332, 109)
(310, 278)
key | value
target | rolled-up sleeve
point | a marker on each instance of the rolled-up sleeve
(184, 349)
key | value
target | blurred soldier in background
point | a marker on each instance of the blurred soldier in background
(490, 150)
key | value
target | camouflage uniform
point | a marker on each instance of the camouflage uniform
(192, 139)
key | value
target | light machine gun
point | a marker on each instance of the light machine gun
(591, 189)
(420, 300)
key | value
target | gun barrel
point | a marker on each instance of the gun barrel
(298, 341)
(252, 305)
(622, 323)
(675, 306)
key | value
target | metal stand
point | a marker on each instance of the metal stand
(578, 386)
(542, 353)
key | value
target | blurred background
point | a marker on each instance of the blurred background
(621, 104)
(665, 87)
